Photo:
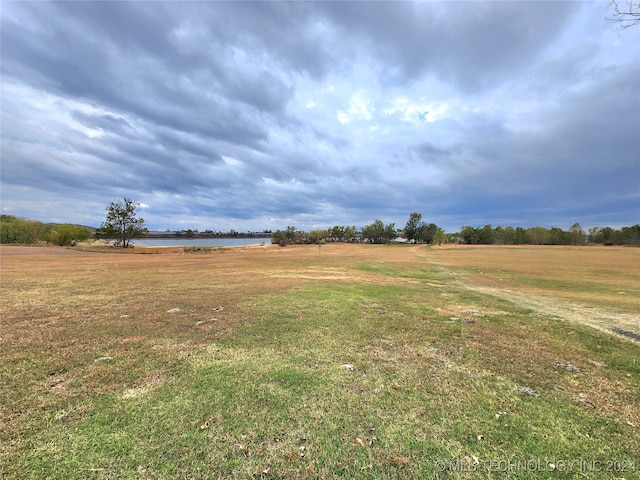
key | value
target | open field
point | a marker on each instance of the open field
(349, 361)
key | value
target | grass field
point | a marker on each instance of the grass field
(350, 361)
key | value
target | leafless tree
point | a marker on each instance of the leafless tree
(625, 16)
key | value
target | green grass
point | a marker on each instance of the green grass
(437, 380)
(282, 406)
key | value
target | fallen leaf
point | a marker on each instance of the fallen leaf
(294, 456)
(358, 442)
(208, 422)
(399, 461)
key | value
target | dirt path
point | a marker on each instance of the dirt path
(623, 324)
(627, 325)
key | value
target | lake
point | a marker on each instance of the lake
(200, 242)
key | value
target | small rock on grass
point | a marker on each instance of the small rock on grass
(529, 391)
(200, 322)
(567, 366)
(348, 366)
(173, 310)
(102, 359)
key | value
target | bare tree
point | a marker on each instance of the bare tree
(625, 16)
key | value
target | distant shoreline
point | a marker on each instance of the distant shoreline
(196, 236)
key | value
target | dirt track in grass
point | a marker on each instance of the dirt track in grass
(546, 280)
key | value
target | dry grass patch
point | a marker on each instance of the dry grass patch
(125, 366)
(596, 286)
(609, 276)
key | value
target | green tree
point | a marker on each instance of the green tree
(486, 235)
(504, 236)
(537, 235)
(469, 234)
(630, 235)
(65, 234)
(428, 232)
(390, 233)
(20, 230)
(557, 236)
(601, 235)
(317, 236)
(413, 229)
(577, 234)
(337, 233)
(292, 234)
(373, 233)
(377, 232)
(122, 222)
(279, 238)
(520, 236)
(440, 237)
(350, 233)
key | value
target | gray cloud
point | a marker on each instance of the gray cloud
(473, 45)
(265, 114)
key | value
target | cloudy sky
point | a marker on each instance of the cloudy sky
(220, 115)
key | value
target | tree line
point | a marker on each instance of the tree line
(418, 231)
(488, 235)
(20, 230)
(122, 223)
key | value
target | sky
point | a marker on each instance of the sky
(261, 115)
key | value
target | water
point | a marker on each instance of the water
(200, 242)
